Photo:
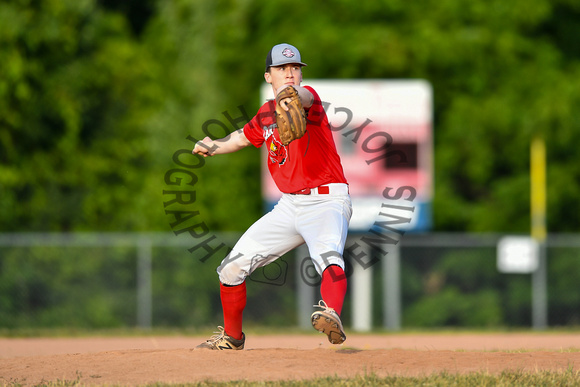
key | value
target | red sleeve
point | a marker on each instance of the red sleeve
(262, 121)
(252, 133)
(315, 114)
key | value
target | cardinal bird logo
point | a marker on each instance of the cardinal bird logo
(277, 151)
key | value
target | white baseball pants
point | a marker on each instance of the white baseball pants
(319, 220)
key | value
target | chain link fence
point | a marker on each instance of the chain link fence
(112, 280)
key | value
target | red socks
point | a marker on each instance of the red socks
(332, 290)
(233, 304)
(333, 287)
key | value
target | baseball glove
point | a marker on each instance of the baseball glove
(292, 123)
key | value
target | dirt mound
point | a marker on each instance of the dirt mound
(143, 360)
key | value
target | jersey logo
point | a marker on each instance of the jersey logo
(268, 131)
(277, 152)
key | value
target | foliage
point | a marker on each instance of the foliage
(99, 97)
(96, 287)
(96, 96)
(74, 94)
(75, 288)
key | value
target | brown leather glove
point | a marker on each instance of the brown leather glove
(291, 123)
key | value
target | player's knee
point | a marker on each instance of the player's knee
(327, 259)
(231, 273)
(334, 272)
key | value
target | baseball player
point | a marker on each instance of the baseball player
(315, 207)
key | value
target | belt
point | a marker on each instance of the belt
(329, 189)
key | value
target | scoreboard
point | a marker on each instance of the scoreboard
(383, 133)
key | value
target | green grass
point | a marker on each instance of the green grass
(569, 378)
(544, 378)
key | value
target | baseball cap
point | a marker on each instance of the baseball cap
(282, 54)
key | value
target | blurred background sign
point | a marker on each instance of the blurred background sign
(517, 254)
(383, 133)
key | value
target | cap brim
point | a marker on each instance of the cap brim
(288, 62)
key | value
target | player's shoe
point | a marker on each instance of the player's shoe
(221, 342)
(328, 322)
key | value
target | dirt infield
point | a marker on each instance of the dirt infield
(143, 360)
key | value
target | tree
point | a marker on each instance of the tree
(95, 100)
(75, 93)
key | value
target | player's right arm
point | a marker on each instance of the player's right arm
(229, 144)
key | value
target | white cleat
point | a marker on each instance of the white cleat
(328, 322)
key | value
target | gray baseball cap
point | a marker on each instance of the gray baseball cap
(282, 54)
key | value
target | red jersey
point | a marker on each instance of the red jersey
(308, 162)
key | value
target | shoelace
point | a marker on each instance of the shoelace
(218, 336)
(322, 305)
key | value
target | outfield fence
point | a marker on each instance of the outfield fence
(147, 280)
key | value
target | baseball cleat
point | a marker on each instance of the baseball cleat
(328, 322)
(221, 342)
